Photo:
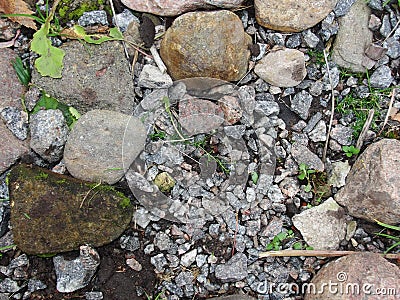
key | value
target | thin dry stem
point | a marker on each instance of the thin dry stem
(332, 109)
(320, 253)
(365, 128)
(394, 93)
(157, 59)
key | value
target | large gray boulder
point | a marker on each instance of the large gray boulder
(102, 145)
(372, 190)
(361, 276)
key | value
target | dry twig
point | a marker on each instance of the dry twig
(332, 109)
(394, 93)
(321, 253)
(157, 59)
(365, 128)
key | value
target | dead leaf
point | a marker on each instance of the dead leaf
(18, 7)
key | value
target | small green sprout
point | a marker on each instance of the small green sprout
(276, 243)
(254, 177)
(304, 174)
(350, 150)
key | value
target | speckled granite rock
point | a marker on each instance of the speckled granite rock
(94, 77)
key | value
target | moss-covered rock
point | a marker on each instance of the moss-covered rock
(74, 9)
(53, 213)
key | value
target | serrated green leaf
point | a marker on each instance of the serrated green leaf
(51, 63)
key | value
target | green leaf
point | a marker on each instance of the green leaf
(388, 226)
(297, 246)
(40, 43)
(23, 73)
(270, 246)
(254, 177)
(309, 248)
(301, 176)
(51, 64)
(307, 188)
(281, 236)
(45, 102)
(74, 112)
(97, 39)
(50, 61)
(116, 34)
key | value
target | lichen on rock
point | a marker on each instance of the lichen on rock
(53, 213)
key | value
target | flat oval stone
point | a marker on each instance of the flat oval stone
(174, 8)
(53, 213)
(292, 15)
(283, 68)
(102, 145)
(206, 44)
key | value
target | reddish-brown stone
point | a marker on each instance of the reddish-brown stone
(174, 8)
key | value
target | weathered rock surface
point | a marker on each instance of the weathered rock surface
(301, 103)
(283, 68)
(233, 270)
(52, 213)
(372, 189)
(94, 77)
(198, 45)
(75, 274)
(49, 133)
(353, 37)
(292, 15)
(102, 145)
(174, 8)
(199, 115)
(323, 226)
(11, 88)
(302, 154)
(11, 148)
(358, 276)
(151, 77)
